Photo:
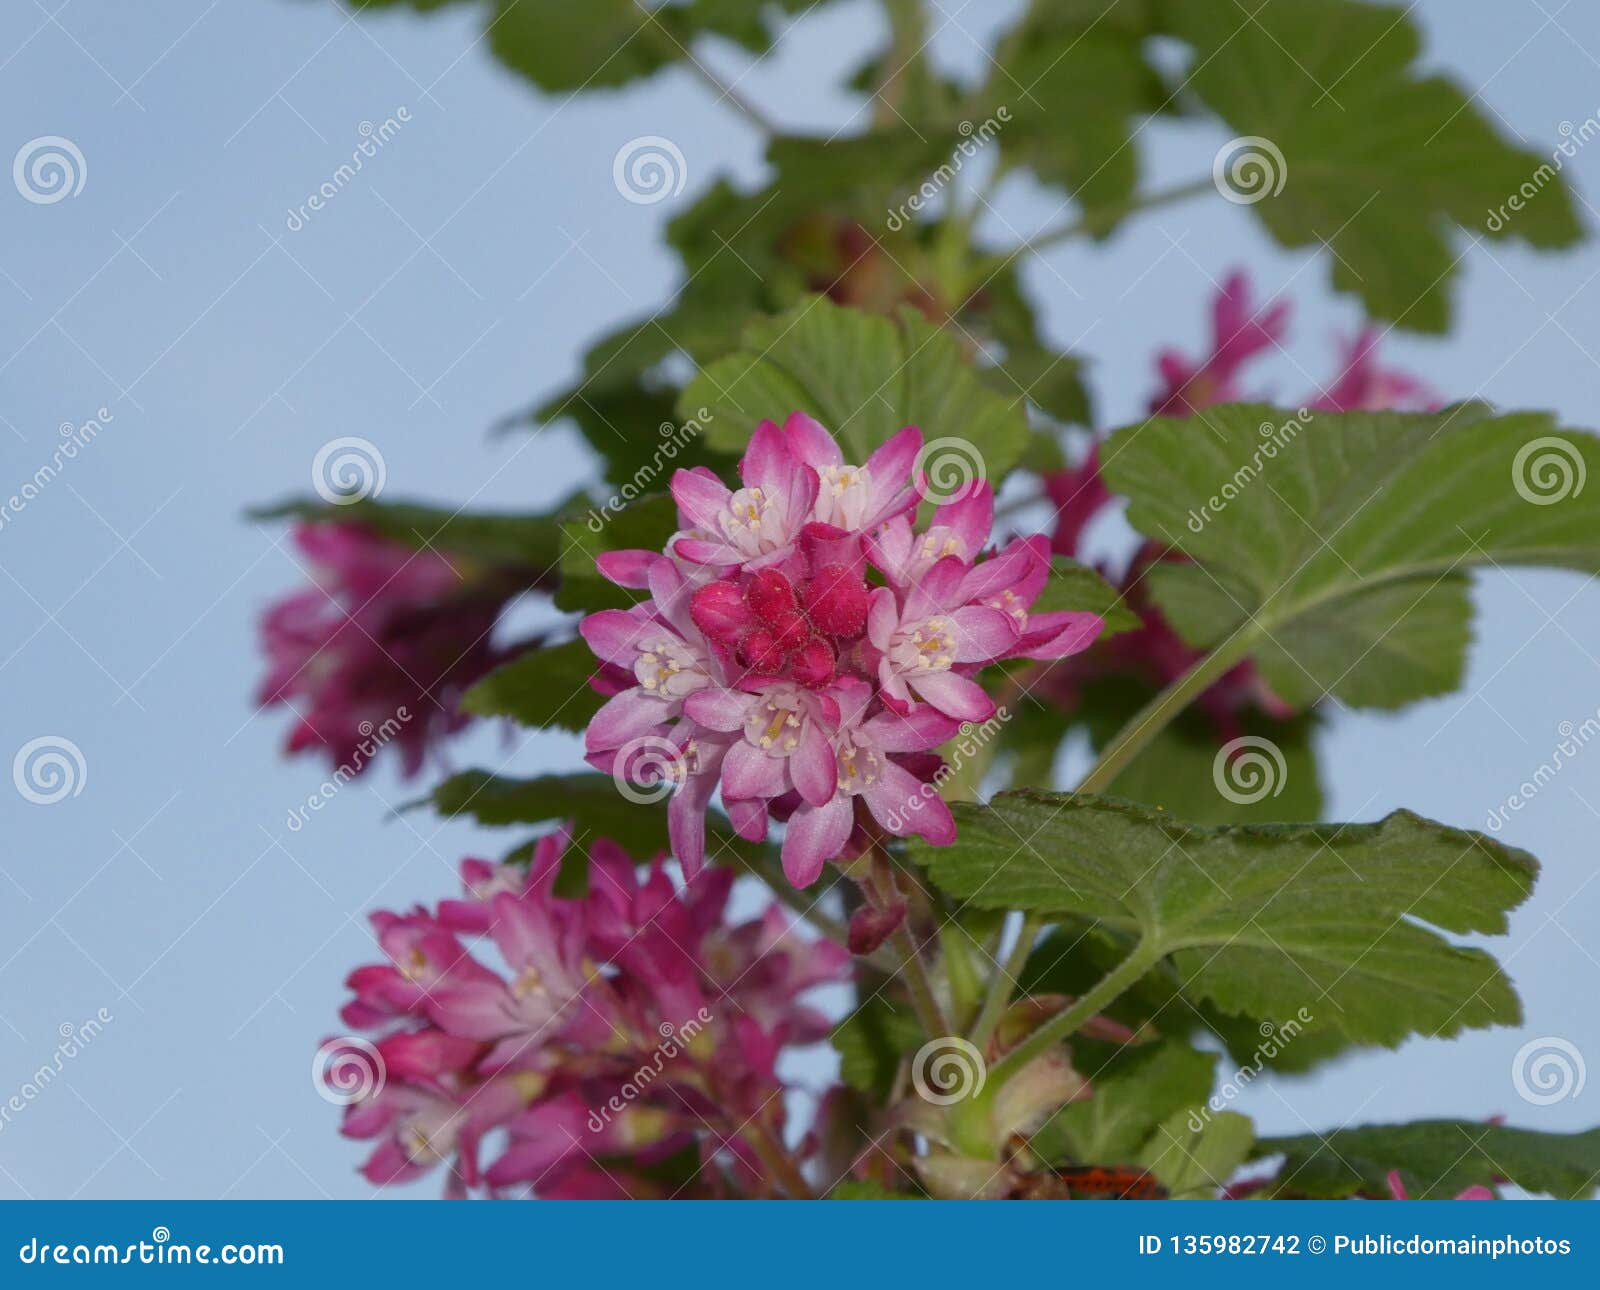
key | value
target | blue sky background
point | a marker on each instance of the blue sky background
(460, 276)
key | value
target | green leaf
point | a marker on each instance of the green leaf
(1195, 1163)
(1134, 1093)
(623, 407)
(871, 1042)
(645, 525)
(1331, 546)
(862, 376)
(1263, 921)
(1437, 1159)
(521, 541)
(868, 1191)
(1184, 769)
(541, 688)
(1376, 160)
(1076, 586)
(601, 44)
(1071, 82)
(1072, 958)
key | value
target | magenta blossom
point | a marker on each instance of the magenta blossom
(769, 667)
(592, 1037)
(1397, 1189)
(381, 648)
(753, 525)
(1238, 333)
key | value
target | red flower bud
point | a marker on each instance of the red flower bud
(760, 651)
(770, 596)
(813, 663)
(836, 600)
(718, 610)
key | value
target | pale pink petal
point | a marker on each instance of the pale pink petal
(809, 443)
(982, 634)
(971, 517)
(629, 569)
(917, 731)
(625, 716)
(882, 617)
(813, 765)
(701, 498)
(953, 695)
(1057, 635)
(748, 816)
(699, 550)
(889, 799)
(613, 635)
(749, 772)
(723, 710)
(816, 834)
(940, 588)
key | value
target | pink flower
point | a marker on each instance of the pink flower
(1365, 386)
(769, 669)
(381, 649)
(1397, 1189)
(855, 499)
(1238, 334)
(755, 524)
(629, 1024)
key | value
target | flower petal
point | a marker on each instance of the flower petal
(816, 834)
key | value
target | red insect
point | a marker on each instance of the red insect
(1121, 1183)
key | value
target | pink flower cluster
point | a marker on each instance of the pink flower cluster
(380, 648)
(593, 1038)
(804, 647)
(1154, 652)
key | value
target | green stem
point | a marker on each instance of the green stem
(923, 999)
(1000, 985)
(1068, 1022)
(778, 1162)
(1154, 717)
(674, 49)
